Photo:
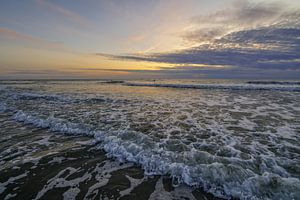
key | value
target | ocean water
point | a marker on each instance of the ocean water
(233, 139)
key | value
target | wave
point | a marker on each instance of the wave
(63, 99)
(270, 87)
(17, 82)
(226, 176)
(54, 124)
(222, 180)
(112, 82)
(15, 95)
(35, 96)
(274, 82)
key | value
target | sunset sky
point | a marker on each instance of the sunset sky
(149, 39)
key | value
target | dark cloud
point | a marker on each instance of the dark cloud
(267, 48)
(207, 34)
(268, 41)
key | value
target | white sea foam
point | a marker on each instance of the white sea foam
(218, 178)
(54, 124)
(3, 185)
(229, 143)
(3, 107)
(133, 183)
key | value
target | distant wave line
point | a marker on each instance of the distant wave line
(270, 87)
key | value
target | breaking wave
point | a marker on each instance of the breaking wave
(218, 178)
(249, 86)
(274, 82)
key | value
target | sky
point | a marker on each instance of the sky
(132, 39)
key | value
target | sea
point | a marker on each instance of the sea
(149, 139)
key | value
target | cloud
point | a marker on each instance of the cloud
(196, 72)
(11, 34)
(35, 72)
(241, 15)
(266, 48)
(65, 12)
(28, 74)
(245, 39)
